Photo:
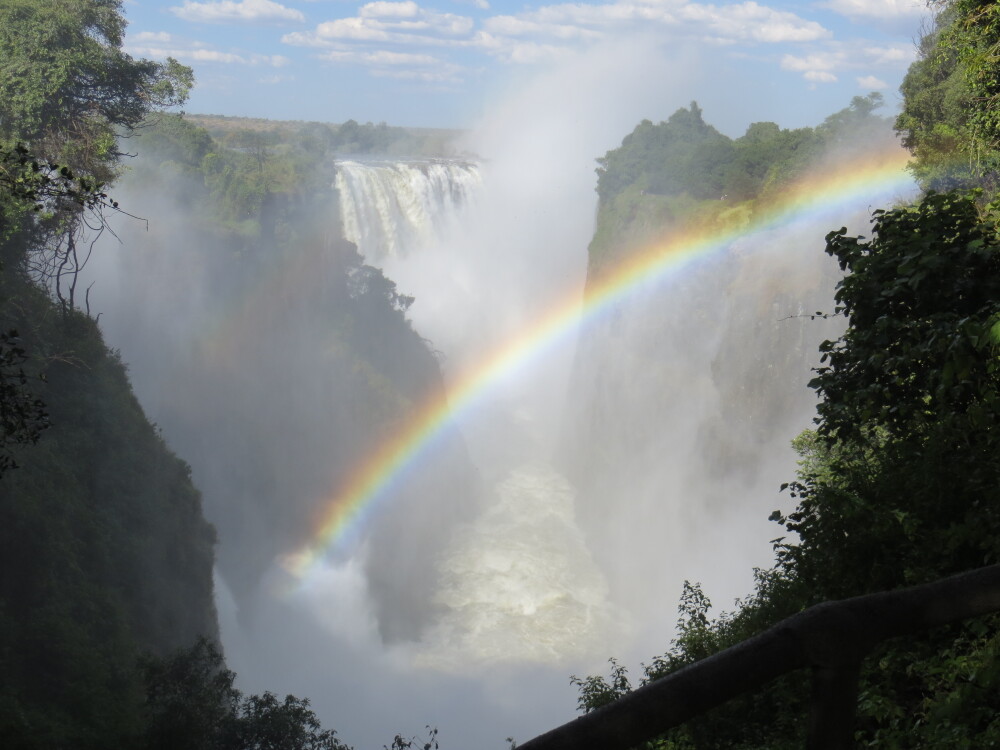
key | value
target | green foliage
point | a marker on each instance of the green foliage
(949, 119)
(255, 183)
(684, 174)
(322, 139)
(22, 415)
(66, 86)
(596, 691)
(31, 184)
(191, 703)
(103, 547)
(400, 742)
(909, 410)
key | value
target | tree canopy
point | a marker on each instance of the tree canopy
(950, 120)
(69, 89)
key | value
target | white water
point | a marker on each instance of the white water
(389, 208)
(519, 582)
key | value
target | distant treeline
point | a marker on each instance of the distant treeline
(321, 138)
(683, 170)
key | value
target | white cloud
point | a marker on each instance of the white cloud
(515, 26)
(243, 11)
(386, 22)
(149, 36)
(899, 54)
(819, 76)
(381, 57)
(402, 65)
(879, 9)
(383, 9)
(814, 62)
(516, 51)
(751, 21)
(199, 52)
(551, 27)
(840, 56)
(871, 83)
(737, 22)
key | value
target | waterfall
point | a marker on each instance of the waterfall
(517, 583)
(390, 208)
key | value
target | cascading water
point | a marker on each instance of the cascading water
(517, 583)
(389, 208)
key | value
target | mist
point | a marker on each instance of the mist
(554, 528)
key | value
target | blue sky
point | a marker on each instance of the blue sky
(439, 63)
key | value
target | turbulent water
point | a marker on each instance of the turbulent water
(389, 208)
(519, 583)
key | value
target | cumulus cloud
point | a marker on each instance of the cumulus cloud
(821, 65)
(551, 32)
(871, 83)
(198, 52)
(160, 37)
(819, 61)
(894, 54)
(521, 26)
(878, 9)
(819, 76)
(751, 21)
(403, 65)
(383, 9)
(241, 11)
(381, 57)
(392, 22)
(737, 22)
(518, 52)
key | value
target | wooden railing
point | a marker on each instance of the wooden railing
(831, 639)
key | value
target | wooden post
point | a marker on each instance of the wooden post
(834, 703)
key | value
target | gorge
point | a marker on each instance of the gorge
(573, 473)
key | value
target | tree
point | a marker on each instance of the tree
(909, 417)
(22, 414)
(949, 119)
(69, 90)
(28, 184)
(191, 703)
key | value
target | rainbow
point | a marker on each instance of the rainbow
(880, 176)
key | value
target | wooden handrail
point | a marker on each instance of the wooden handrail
(831, 638)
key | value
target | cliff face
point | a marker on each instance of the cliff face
(104, 551)
(688, 388)
(272, 358)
